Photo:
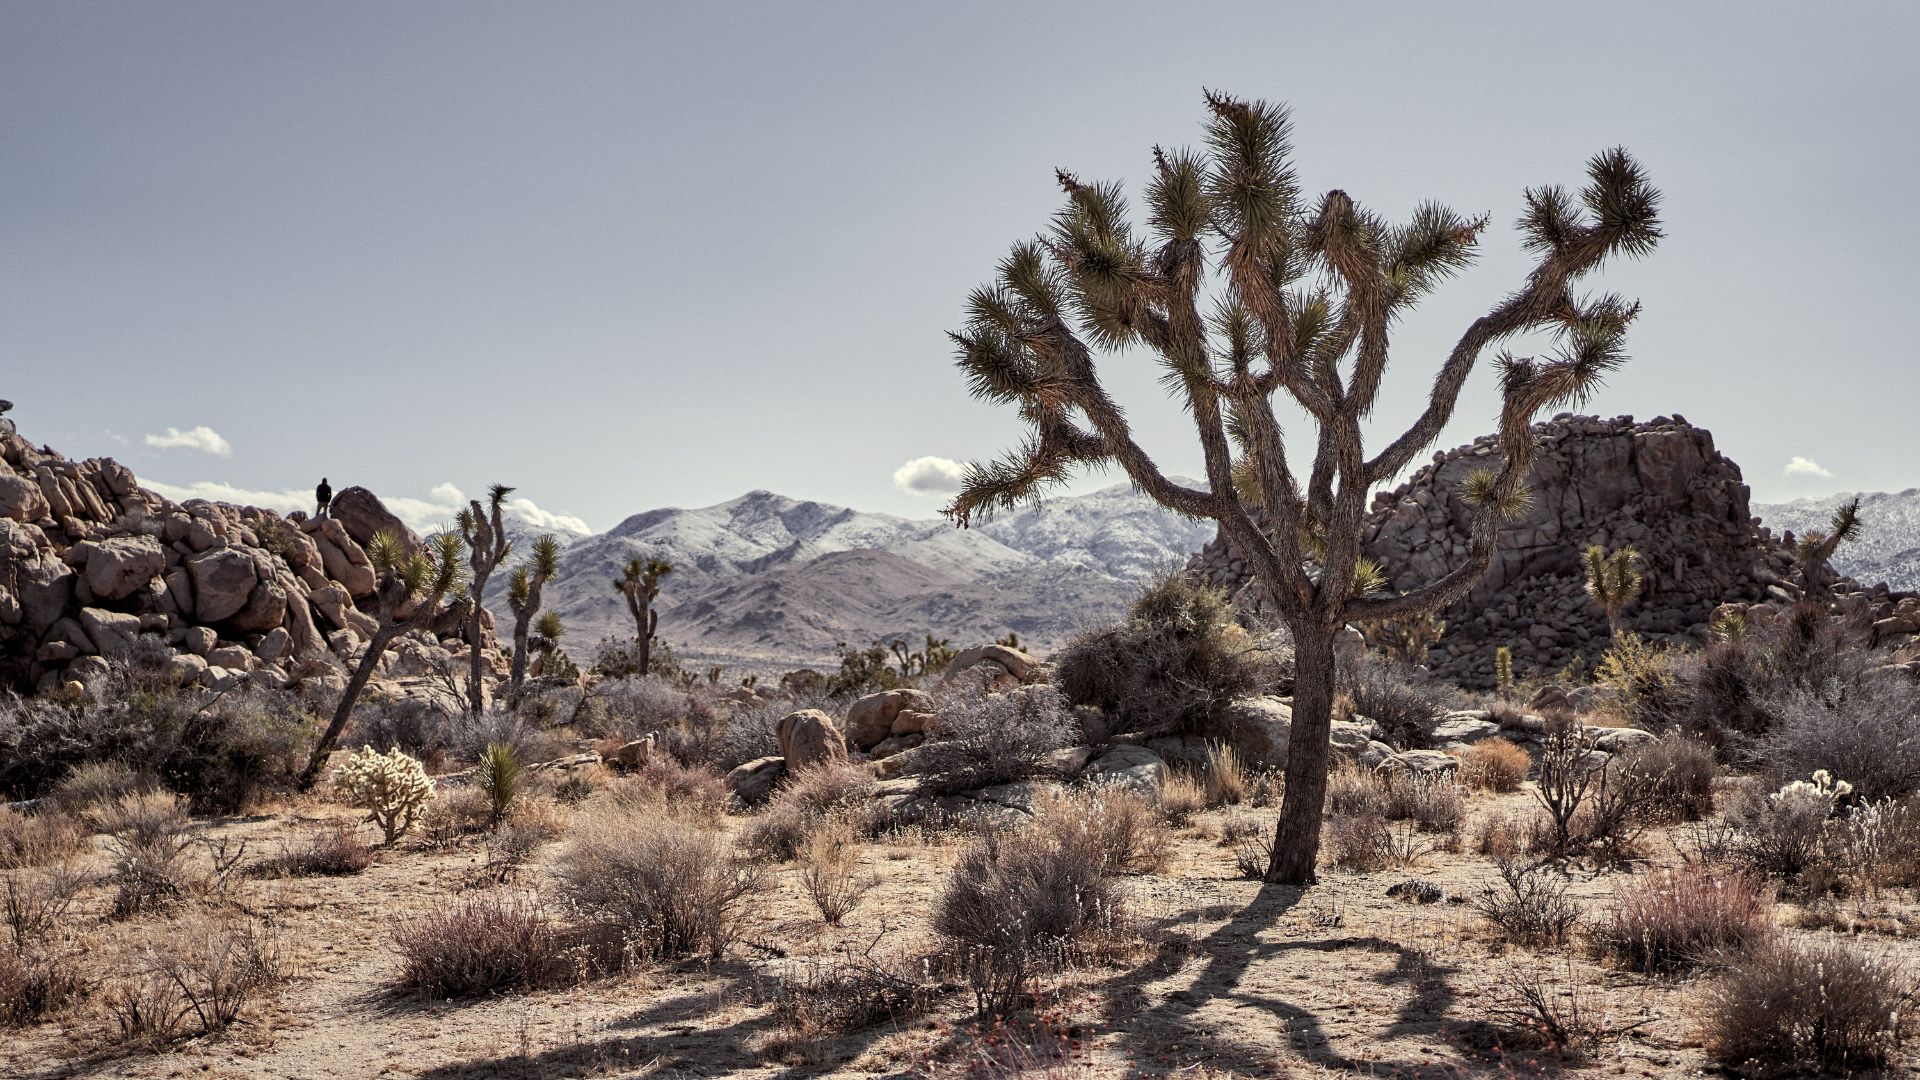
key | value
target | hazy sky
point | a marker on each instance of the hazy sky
(626, 256)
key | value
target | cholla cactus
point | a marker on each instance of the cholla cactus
(393, 788)
(1503, 671)
(1816, 796)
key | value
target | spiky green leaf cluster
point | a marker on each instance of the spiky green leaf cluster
(1613, 580)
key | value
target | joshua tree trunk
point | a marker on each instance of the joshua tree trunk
(486, 539)
(649, 624)
(1296, 839)
(343, 712)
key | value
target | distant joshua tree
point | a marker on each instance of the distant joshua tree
(1613, 582)
(487, 547)
(547, 631)
(1810, 555)
(1241, 288)
(640, 584)
(524, 588)
(1407, 640)
(409, 590)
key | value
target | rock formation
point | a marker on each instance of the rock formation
(93, 566)
(1659, 487)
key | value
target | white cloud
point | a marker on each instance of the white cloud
(430, 514)
(212, 490)
(1801, 466)
(545, 519)
(447, 493)
(203, 438)
(929, 476)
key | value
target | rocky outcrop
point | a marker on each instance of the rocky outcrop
(808, 737)
(93, 567)
(1659, 486)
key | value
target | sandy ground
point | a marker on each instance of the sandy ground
(1231, 977)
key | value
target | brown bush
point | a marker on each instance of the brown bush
(1434, 803)
(32, 901)
(35, 984)
(96, 782)
(481, 945)
(1022, 901)
(834, 789)
(1787, 1005)
(849, 991)
(1353, 792)
(1669, 922)
(688, 788)
(830, 870)
(332, 852)
(35, 839)
(1120, 822)
(1674, 776)
(1182, 795)
(197, 979)
(147, 835)
(1529, 904)
(1494, 765)
(1362, 842)
(457, 811)
(1227, 781)
(661, 886)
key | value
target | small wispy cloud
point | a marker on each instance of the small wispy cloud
(1802, 466)
(437, 511)
(546, 519)
(202, 438)
(929, 476)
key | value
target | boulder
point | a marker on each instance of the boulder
(888, 747)
(1135, 767)
(274, 645)
(870, 719)
(1014, 662)
(753, 782)
(113, 633)
(266, 608)
(223, 581)
(1421, 763)
(1588, 698)
(45, 589)
(199, 640)
(1457, 729)
(230, 656)
(116, 568)
(1259, 728)
(364, 515)
(1614, 740)
(808, 737)
(21, 499)
(632, 755)
(185, 669)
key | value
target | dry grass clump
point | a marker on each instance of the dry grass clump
(1494, 765)
(32, 901)
(849, 991)
(1226, 774)
(659, 885)
(804, 804)
(695, 788)
(98, 782)
(337, 851)
(481, 945)
(1437, 804)
(1353, 791)
(35, 839)
(147, 835)
(1123, 825)
(196, 979)
(459, 812)
(830, 870)
(1022, 901)
(1824, 1005)
(1181, 795)
(1670, 922)
(1529, 904)
(35, 984)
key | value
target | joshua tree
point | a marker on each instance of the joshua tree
(640, 584)
(546, 638)
(524, 587)
(1613, 582)
(487, 547)
(1241, 289)
(1810, 555)
(1408, 639)
(410, 588)
(1503, 672)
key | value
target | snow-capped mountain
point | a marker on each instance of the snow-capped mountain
(1888, 547)
(779, 580)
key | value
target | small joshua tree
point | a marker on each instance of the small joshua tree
(392, 788)
(546, 639)
(408, 592)
(487, 547)
(640, 584)
(1613, 582)
(1241, 288)
(1503, 672)
(524, 588)
(499, 777)
(1408, 639)
(1810, 555)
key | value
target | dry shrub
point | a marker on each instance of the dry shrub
(1122, 823)
(1353, 791)
(1558, 1005)
(1226, 775)
(573, 786)
(1824, 1004)
(1022, 901)
(1502, 836)
(481, 945)
(1436, 804)
(1181, 795)
(1782, 837)
(1880, 843)
(1239, 828)
(1494, 765)
(1670, 922)
(1866, 731)
(830, 870)
(34, 839)
(532, 825)
(34, 984)
(33, 901)
(458, 812)
(1674, 776)
(196, 979)
(994, 738)
(337, 851)
(1404, 700)
(1362, 842)
(1529, 904)
(695, 788)
(96, 782)
(659, 885)
(848, 991)
(832, 789)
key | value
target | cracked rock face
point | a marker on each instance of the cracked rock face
(1658, 486)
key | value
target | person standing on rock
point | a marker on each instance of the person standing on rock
(322, 498)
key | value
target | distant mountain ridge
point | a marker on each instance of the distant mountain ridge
(768, 579)
(1888, 547)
